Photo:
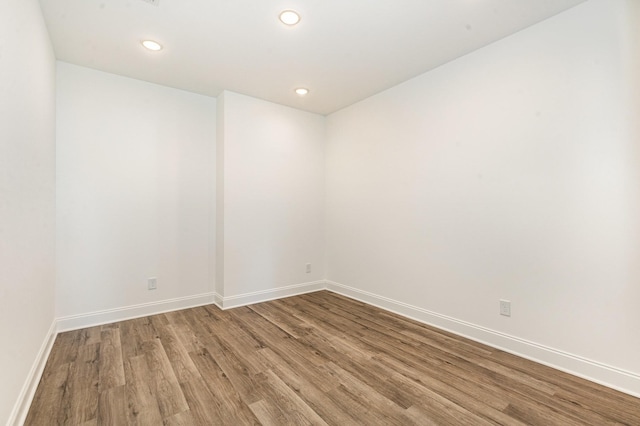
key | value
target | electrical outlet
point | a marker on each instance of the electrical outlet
(308, 268)
(505, 308)
(152, 283)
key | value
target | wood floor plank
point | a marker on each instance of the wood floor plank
(202, 406)
(229, 404)
(133, 334)
(313, 393)
(111, 368)
(80, 400)
(202, 328)
(419, 416)
(261, 330)
(234, 339)
(531, 414)
(614, 406)
(188, 337)
(112, 406)
(287, 400)
(236, 371)
(448, 406)
(66, 345)
(350, 402)
(178, 356)
(142, 407)
(280, 319)
(461, 386)
(90, 336)
(359, 364)
(389, 411)
(47, 401)
(270, 415)
(162, 380)
(181, 419)
(460, 390)
(453, 369)
(317, 358)
(296, 361)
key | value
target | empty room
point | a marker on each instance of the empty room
(233, 212)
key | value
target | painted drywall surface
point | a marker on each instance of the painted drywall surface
(219, 198)
(511, 173)
(27, 193)
(273, 195)
(133, 191)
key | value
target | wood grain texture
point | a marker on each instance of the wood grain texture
(314, 359)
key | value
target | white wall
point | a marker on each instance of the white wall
(272, 197)
(134, 191)
(513, 172)
(27, 194)
(219, 200)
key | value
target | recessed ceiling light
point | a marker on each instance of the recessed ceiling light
(152, 45)
(302, 91)
(289, 17)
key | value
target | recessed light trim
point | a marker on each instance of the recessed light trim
(151, 45)
(289, 17)
(302, 91)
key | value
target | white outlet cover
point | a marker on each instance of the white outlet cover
(505, 308)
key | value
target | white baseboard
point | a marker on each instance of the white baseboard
(75, 322)
(229, 302)
(218, 300)
(603, 374)
(21, 408)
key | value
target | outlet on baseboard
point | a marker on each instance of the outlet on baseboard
(505, 308)
(308, 268)
(152, 283)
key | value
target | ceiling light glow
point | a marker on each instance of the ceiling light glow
(152, 45)
(289, 17)
(302, 91)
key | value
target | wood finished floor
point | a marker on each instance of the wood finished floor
(318, 358)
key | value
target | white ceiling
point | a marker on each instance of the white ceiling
(342, 50)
